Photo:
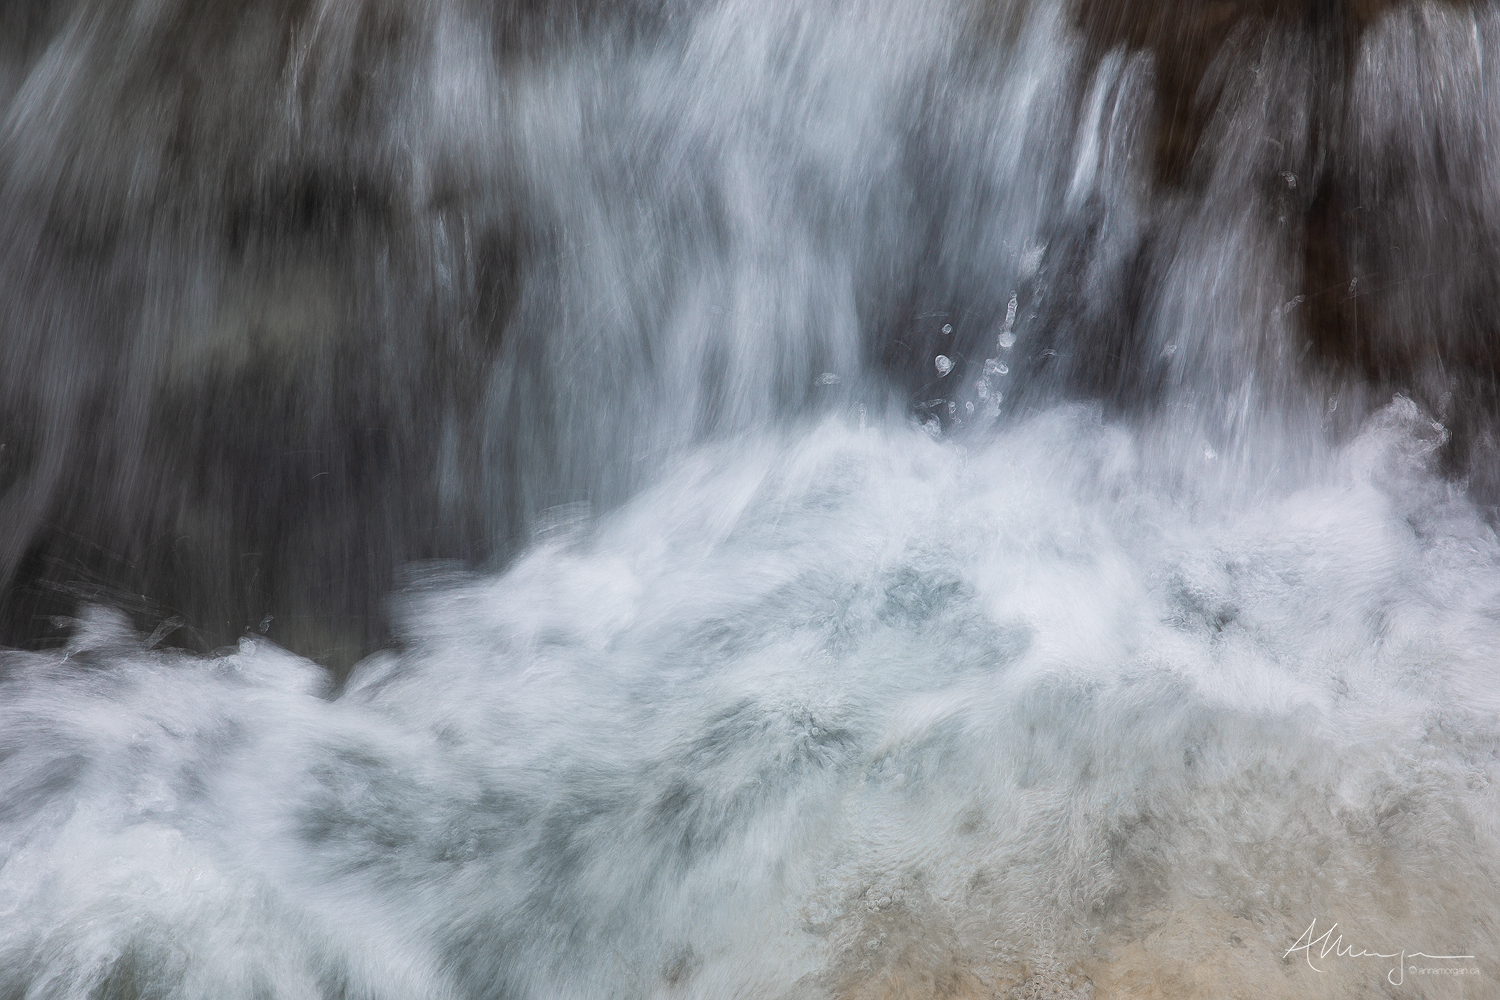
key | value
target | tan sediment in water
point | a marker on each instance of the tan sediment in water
(1188, 958)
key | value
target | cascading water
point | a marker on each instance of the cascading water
(841, 500)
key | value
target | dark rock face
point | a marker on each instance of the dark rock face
(231, 362)
(1380, 182)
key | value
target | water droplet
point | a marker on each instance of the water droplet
(1169, 350)
(829, 378)
(1002, 369)
(982, 388)
(1031, 260)
(944, 364)
(968, 407)
(947, 328)
(1290, 178)
(1010, 312)
(952, 407)
(1209, 453)
(1007, 341)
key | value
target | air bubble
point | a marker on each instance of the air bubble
(1007, 341)
(947, 328)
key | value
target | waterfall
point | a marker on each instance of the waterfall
(715, 498)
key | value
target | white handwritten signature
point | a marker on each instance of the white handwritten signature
(1327, 945)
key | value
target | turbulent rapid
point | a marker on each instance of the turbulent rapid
(725, 499)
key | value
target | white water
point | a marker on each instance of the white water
(846, 714)
(835, 705)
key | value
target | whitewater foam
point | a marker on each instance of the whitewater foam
(850, 713)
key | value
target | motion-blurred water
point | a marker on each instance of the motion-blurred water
(847, 500)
